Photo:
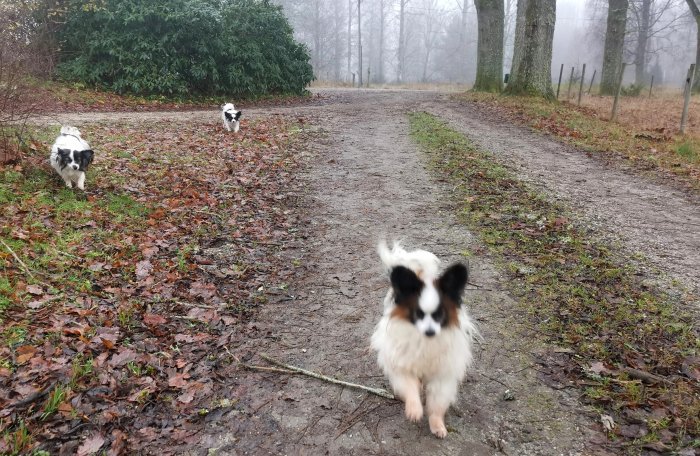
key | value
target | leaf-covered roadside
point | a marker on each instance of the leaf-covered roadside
(116, 305)
(45, 97)
(660, 150)
(630, 348)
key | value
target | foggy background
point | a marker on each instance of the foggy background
(441, 38)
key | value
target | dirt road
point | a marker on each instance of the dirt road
(367, 180)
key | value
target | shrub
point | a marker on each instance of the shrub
(183, 48)
(632, 90)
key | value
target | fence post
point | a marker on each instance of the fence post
(651, 85)
(580, 87)
(617, 92)
(571, 81)
(688, 92)
(368, 77)
(561, 71)
(592, 79)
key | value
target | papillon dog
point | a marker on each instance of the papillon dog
(424, 338)
(70, 157)
(231, 117)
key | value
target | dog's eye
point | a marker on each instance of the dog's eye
(420, 314)
(437, 315)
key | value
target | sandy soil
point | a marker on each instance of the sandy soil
(367, 179)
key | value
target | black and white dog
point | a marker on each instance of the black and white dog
(70, 157)
(231, 117)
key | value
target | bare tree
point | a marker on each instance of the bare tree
(695, 11)
(533, 72)
(519, 39)
(349, 38)
(382, 23)
(509, 22)
(402, 41)
(614, 45)
(359, 41)
(433, 18)
(643, 31)
(489, 66)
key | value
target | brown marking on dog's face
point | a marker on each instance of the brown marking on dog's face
(407, 288)
(401, 313)
(451, 310)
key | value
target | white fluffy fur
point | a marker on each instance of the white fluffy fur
(230, 124)
(411, 360)
(71, 139)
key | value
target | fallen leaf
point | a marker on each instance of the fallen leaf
(143, 269)
(691, 367)
(36, 290)
(186, 397)
(608, 422)
(154, 319)
(109, 345)
(91, 445)
(178, 380)
(118, 443)
(599, 368)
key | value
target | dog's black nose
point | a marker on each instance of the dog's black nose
(430, 333)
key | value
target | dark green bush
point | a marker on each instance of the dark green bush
(183, 48)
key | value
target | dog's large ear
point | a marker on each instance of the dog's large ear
(405, 283)
(238, 115)
(453, 281)
(64, 153)
(86, 157)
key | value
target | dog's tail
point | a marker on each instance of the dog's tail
(422, 262)
(67, 130)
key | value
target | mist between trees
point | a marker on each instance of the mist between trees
(435, 41)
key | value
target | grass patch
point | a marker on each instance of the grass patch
(589, 129)
(578, 291)
(688, 150)
(56, 397)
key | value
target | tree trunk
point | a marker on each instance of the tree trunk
(338, 44)
(614, 42)
(316, 64)
(519, 41)
(349, 39)
(640, 69)
(402, 41)
(696, 14)
(534, 70)
(380, 70)
(489, 60)
(462, 59)
(359, 41)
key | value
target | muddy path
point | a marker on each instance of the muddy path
(644, 215)
(366, 180)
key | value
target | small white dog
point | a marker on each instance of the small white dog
(231, 117)
(70, 157)
(424, 338)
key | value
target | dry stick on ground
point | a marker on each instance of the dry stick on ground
(34, 397)
(24, 266)
(377, 391)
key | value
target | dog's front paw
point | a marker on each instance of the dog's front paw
(69, 184)
(414, 410)
(437, 427)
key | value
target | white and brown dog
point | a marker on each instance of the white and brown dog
(231, 117)
(425, 336)
(70, 157)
